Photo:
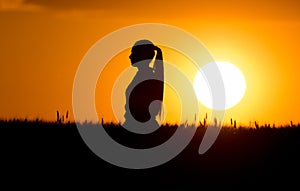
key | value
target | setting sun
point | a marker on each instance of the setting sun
(234, 84)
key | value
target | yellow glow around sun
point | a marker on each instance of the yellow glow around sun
(234, 84)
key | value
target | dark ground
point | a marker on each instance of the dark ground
(52, 153)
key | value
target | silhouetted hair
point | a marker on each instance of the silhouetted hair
(144, 50)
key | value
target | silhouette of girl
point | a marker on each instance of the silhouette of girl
(147, 85)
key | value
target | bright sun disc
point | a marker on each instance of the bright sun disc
(234, 84)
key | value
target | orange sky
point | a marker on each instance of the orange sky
(43, 42)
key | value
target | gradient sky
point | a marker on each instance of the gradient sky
(43, 42)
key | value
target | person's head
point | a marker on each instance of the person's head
(142, 50)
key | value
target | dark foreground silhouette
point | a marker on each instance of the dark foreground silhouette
(40, 151)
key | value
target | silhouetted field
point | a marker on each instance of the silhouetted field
(46, 151)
